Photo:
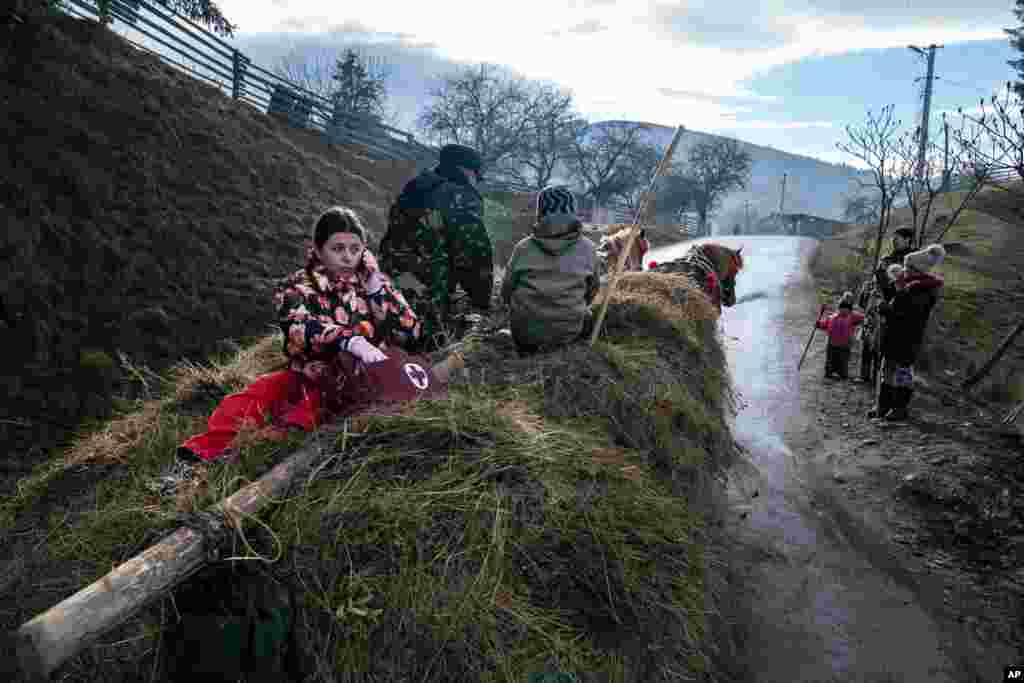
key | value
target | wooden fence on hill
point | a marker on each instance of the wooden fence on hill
(215, 61)
(201, 54)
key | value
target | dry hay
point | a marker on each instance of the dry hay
(116, 441)
(519, 413)
(616, 457)
(190, 493)
(673, 296)
(263, 357)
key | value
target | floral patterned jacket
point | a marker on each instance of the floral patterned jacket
(318, 321)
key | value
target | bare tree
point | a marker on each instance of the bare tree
(483, 106)
(603, 157)
(922, 183)
(636, 169)
(548, 144)
(1001, 127)
(716, 168)
(874, 143)
(311, 69)
(675, 193)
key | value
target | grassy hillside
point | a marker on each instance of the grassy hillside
(145, 216)
(983, 296)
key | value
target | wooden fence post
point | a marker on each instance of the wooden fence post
(239, 63)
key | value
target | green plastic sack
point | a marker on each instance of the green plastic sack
(235, 626)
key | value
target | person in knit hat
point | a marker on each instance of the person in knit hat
(877, 289)
(906, 316)
(840, 327)
(552, 276)
(437, 241)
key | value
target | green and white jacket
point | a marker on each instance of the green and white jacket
(550, 281)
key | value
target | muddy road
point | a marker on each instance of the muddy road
(826, 601)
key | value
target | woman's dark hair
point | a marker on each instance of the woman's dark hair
(333, 220)
(337, 219)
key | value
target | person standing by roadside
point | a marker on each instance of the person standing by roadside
(437, 240)
(840, 327)
(876, 290)
(906, 314)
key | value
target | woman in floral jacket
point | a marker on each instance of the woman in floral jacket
(338, 310)
(341, 308)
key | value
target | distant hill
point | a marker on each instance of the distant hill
(813, 186)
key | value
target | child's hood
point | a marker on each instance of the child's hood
(555, 239)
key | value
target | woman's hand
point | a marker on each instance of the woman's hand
(375, 282)
(365, 351)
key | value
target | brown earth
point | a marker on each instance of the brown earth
(146, 214)
(940, 498)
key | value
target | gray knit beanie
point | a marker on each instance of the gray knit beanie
(925, 259)
(556, 205)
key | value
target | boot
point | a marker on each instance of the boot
(900, 401)
(884, 403)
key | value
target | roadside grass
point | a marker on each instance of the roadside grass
(549, 515)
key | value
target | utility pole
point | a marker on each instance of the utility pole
(946, 175)
(782, 201)
(926, 110)
(746, 205)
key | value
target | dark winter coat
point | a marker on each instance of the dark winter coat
(906, 316)
(884, 284)
(436, 232)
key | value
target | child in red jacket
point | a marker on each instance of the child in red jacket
(840, 327)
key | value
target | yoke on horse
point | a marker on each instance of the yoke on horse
(711, 266)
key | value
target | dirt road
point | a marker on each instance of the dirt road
(828, 598)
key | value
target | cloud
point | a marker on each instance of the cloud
(805, 27)
(588, 27)
(726, 28)
(584, 28)
(725, 100)
(780, 125)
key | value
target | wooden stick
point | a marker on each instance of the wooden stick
(50, 638)
(994, 358)
(1012, 416)
(634, 231)
(811, 338)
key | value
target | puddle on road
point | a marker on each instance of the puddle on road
(820, 611)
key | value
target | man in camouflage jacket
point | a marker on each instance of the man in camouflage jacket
(437, 240)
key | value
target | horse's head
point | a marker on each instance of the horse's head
(612, 246)
(728, 263)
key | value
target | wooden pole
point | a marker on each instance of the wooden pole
(811, 338)
(50, 638)
(634, 231)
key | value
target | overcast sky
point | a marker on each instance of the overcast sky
(783, 73)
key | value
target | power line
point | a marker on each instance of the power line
(962, 85)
